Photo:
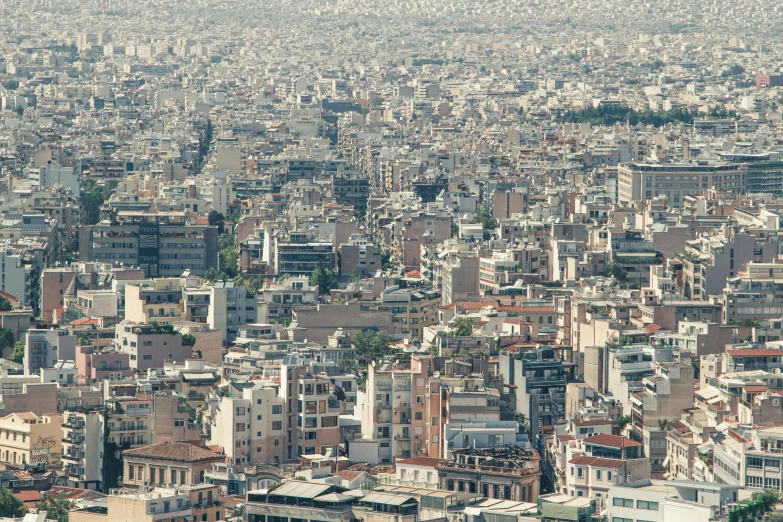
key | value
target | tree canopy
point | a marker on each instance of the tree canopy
(10, 506)
(92, 198)
(325, 279)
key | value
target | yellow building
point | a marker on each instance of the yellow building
(26, 438)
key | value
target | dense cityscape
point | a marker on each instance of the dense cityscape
(391, 261)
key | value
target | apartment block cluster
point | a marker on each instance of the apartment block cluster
(391, 261)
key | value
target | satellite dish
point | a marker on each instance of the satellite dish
(436, 375)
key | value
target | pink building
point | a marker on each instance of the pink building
(96, 365)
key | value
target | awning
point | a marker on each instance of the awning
(708, 393)
(714, 400)
(666, 462)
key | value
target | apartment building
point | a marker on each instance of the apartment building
(497, 271)
(130, 421)
(658, 500)
(158, 300)
(278, 299)
(82, 448)
(396, 415)
(149, 346)
(97, 365)
(537, 385)
(311, 409)
(249, 424)
(30, 439)
(754, 293)
(412, 309)
(642, 182)
(460, 277)
(44, 348)
(663, 397)
(161, 244)
(302, 253)
(709, 262)
(222, 305)
(358, 256)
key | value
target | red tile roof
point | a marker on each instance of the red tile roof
(754, 352)
(420, 461)
(597, 462)
(28, 495)
(173, 451)
(614, 441)
(754, 388)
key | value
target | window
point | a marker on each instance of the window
(754, 462)
(178, 423)
(258, 417)
(131, 472)
(240, 426)
(608, 475)
(276, 410)
(311, 435)
(417, 415)
(183, 477)
(579, 472)
(753, 482)
(277, 425)
(646, 504)
(620, 519)
(434, 439)
(772, 483)
(622, 502)
(328, 422)
(598, 474)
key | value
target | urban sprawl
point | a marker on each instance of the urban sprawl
(391, 261)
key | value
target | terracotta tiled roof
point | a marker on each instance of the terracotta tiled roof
(28, 495)
(597, 462)
(173, 451)
(420, 461)
(754, 352)
(614, 441)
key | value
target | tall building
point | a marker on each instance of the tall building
(82, 448)
(161, 244)
(537, 385)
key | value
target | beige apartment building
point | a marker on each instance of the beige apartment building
(27, 438)
(642, 182)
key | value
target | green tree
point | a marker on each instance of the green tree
(10, 506)
(216, 218)
(229, 257)
(623, 421)
(84, 339)
(92, 197)
(325, 279)
(618, 272)
(484, 216)
(188, 339)
(369, 345)
(5, 305)
(460, 327)
(56, 508)
(6, 338)
(18, 355)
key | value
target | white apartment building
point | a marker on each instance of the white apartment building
(82, 453)
(249, 425)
